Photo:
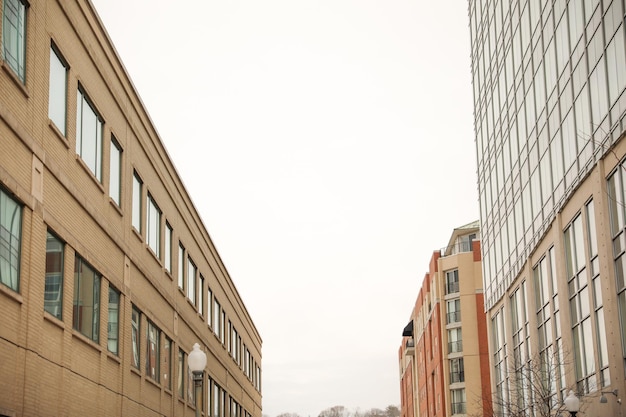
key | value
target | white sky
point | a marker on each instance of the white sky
(328, 146)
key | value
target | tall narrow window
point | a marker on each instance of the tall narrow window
(88, 135)
(180, 381)
(153, 339)
(13, 36)
(10, 241)
(578, 284)
(457, 400)
(217, 315)
(115, 172)
(137, 186)
(153, 233)
(167, 363)
(191, 281)
(209, 308)
(457, 370)
(57, 95)
(86, 300)
(201, 295)
(53, 293)
(453, 311)
(113, 333)
(452, 281)
(181, 266)
(135, 320)
(455, 340)
(168, 248)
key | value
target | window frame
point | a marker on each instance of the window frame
(78, 322)
(115, 171)
(9, 233)
(82, 140)
(58, 101)
(16, 63)
(114, 330)
(54, 306)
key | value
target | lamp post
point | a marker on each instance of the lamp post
(197, 363)
(572, 403)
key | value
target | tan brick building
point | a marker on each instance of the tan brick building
(107, 273)
(444, 360)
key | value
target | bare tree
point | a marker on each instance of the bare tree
(533, 387)
(336, 411)
(287, 415)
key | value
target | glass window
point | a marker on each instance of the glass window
(135, 323)
(10, 241)
(457, 370)
(53, 292)
(167, 363)
(137, 186)
(455, 340)
(191, 281)
(181, 266)
(201, 295)
(113, 333)
(453, 311)
(217, 314)
(168, 247)
(452, 281)
(180, 380)
(209, 308)
(13, 36)
(457, 398)
(88, 135)
(115, 172)
(57, 96)
(153, 344)
(86, 300)
(153, 233)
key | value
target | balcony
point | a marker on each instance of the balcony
(453, 317)
(454, 347)
(457, 377)
(452, 287)
(458, 408)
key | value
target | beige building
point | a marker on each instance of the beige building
(444, 361)
(550, 116)
(107, 273)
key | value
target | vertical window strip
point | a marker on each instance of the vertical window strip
(88, 134)
(153, 229)
(113, 322)
(153, 347)
(14, 36)
(135, 327)
(86, 300)
(137, 205)
(191, 281)
(168, 247)
(115, 172)
(181, 266)
(10, 241)
(57, 96)
(53, 292)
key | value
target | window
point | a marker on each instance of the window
(180, 380)
(88, 135)
(57, 96)
(457, 371)
(453, 311)
(455, 340)
(201, 295)
(457, 400)
(135, 322)
(137, 186)
(153, 232)
(191, 281)
(580, 308)
(521, 347)
(113, 333)
(168, 248)
(86, 300)
(452, 281)
(217, 314)
(10, 241)
(53, 292)
(209, 308)
(167, 363)
(181, 266)
(153, 339)
(13, 36)
(115, 172)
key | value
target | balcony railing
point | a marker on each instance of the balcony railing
(458, 408)
(452, 287)
(453, 317)
(454, 347)
(457, 377)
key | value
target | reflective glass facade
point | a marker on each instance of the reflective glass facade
(549, 80)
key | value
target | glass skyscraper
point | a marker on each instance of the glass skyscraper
(549, 102)
(549, 80)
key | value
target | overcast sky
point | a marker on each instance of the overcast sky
(328, 146)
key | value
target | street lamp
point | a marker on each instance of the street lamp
(197, 363)
(572, 403)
